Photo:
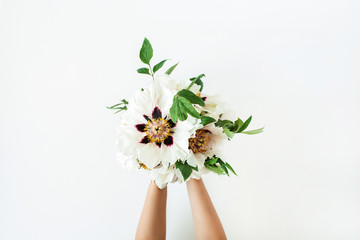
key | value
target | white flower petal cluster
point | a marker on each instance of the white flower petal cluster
(147, 138)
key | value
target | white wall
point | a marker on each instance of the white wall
(294, 65)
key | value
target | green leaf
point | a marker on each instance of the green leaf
(245, 125)
(205, 120)
(188, 107)
(212, 161)
(112, 107)
(228, 132)
(169, 71)
(198, 81)
(192, 97)
(223, 166)
(143, 71)
(182, 113)
(178, 111)
(195, 168)
(255, 131)
(224, 123)
(174, 110)
(185, 169)
(159, 65)
(215, 169)
(231, 169)
(182, 105)
(146, 51)
(237, 125)
(122, 109)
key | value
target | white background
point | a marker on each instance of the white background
(293, 65)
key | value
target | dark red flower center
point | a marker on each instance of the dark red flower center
(158, 130)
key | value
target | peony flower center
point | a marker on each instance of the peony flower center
(157, 130)
(200, 143)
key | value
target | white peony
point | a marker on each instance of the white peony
(207, 142)
(147, 136)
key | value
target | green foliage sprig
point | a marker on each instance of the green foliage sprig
(183, 101)
(183, 105)
(214, 164)
(146, 54)
(230, 128)
(122, 106)
(218, 166)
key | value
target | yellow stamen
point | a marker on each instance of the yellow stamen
(144, 166)
(157, 130)
(200, 142)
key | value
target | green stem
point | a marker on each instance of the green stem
(192, 83)
(151, 72)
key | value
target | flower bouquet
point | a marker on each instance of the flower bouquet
(172, 128)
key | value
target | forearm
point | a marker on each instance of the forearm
(207, 224)
(152, 223)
